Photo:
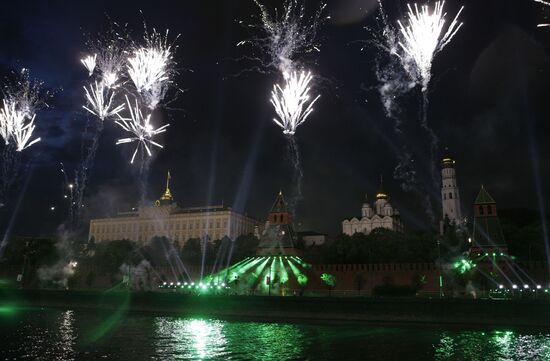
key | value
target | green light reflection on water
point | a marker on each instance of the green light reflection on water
(492, 346)
(204, 339)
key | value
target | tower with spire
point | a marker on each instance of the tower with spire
(450, 195)
(487, 235)
(278, 237)
(166, 199)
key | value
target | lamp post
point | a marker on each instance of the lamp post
(439, 267)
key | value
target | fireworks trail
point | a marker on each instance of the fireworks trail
(22, 99)
(141, 129)
(411, 47)
(293, 105)
(422, 37)
(279, 40)
(119, 67)
(293, 152)
(104, 67)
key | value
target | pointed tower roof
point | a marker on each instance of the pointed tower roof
(280, 204)
(381, 194)
(166, 198)
(483, 197)
(278, 236)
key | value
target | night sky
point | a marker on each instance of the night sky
(489, 104)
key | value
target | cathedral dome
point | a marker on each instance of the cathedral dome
(447, 162)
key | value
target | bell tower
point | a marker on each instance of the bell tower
(450, 195)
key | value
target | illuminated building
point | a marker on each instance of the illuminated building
(166, 219)
(278, 237)
(450, 196)
(382, 215)
(487, 234)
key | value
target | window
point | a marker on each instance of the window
(480, 210)
(489, 210)
(450, 196)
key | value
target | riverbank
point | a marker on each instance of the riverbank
(508, 313)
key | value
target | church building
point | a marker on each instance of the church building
(381, 215)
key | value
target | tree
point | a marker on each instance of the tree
(109, 256)
(329, 280)
(244, 246)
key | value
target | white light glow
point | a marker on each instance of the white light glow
(292, 102)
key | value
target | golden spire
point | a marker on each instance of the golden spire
(167, 196)
(381, 193)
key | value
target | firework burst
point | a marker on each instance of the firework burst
(16, 126)
(292, 102)
(282, 36)
(22, 133)
(151, 68)
(89, 63)
(22, 99)
(141, 128)
(423, 36)
(100, 101)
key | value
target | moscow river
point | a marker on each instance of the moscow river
(51, 334)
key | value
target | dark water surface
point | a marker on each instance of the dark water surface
(88, 335)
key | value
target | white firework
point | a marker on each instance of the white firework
(151, 67)
(141, 128)
(292, 102)
(110, 50)
(22, 133)
(89, 63)
(110, 79)
(23, 97)
(544, 3)
(7, 115)
(16, 125)
(100, 101)
(422, 37)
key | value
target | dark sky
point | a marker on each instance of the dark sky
(489, 104)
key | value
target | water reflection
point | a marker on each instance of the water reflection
(44, 336)
(189, 338)
(215, 339)
(67, 335)
(495, 345)
(61, 335)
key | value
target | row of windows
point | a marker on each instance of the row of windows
(485, 209)
(176, 237)
(128, 227)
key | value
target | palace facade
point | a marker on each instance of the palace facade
(166, 219)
